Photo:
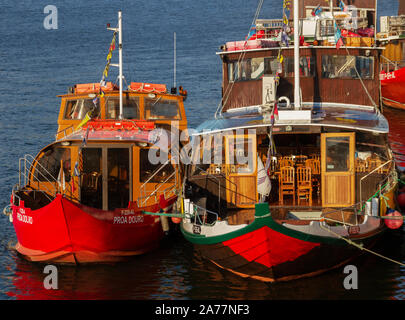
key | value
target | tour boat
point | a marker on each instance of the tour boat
(392, 76)
(82, 198)
(294, 176)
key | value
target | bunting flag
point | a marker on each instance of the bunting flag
(61, 177)
(284, 37)
(317, 11)
(76, 171)
(338, 37)
(85, 120)
(342, 5)
(109, 57)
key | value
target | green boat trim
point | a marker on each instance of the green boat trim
(262, 218)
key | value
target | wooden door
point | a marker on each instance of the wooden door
(337, 164)
(241, 161)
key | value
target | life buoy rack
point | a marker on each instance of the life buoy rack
(94, 87)
(148, 87)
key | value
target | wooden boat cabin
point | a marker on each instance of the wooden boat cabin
(337, 159)
(331, 152)
(328, 73)
(104, 158)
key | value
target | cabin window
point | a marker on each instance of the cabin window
(307, 67)
(154, 172)
(130, 107)
(344, 67)
(160, 108)
(48, 166)
(209, 155)
(240, 154)
(77, 109)
(337, 154)
(252, 69)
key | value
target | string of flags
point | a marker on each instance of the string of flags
(107, 67)
(284, 36)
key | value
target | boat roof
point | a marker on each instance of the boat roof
(349, 117)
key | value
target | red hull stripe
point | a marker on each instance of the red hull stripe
(269, 247)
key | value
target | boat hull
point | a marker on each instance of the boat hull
(67, 232)
(270, 252)
(393, 88)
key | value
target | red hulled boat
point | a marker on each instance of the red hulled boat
(83, 198)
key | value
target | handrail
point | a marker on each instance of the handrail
(371, 172)
(158, 188)
(24, 175)
(64, 131)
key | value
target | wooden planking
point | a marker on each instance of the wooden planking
(243, 190)
(318, 89)
(401, 8)
(337, 191)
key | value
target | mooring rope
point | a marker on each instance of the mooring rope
(359, 246)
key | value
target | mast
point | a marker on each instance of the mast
(121, 116)
(119, 65)
(297, 98)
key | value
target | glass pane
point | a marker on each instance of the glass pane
(130, 107)
(337, 154)
(271, 66)
(257, 66)
(346, 67)
(307, 67)
(240, 151)
(48, 166)
(147, 169)
(161, 109)
(118, 178)
(77, 109)
(91, 178)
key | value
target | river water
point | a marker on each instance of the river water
(36, 64)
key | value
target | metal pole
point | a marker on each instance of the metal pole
(174, 85)
(120, 61)
(297, 100)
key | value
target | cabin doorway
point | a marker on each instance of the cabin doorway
(337, 165)
(105, 177)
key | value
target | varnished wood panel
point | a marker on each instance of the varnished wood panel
(317, 88)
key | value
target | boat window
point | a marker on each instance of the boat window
(118, 177)
(48, 166)
(240, 154)
(307, 67)
(337, 154)
(77, 109)
(209, 156)
(155, 172)
(160, 108)
(130, 107)
(371, 146)
(91, 182)
(252, 69)
(344, 67)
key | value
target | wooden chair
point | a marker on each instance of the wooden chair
(304, 184)
(286, 183)
(360, 165)
(374, 163)
(300, 160)
(286, 162)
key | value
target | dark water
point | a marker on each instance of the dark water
(37, 64)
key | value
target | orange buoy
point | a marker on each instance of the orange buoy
(393, 222)
(176, 220)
